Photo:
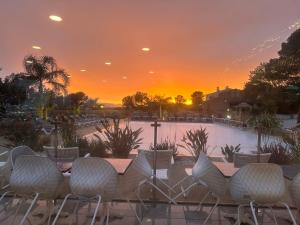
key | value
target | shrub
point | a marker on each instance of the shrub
(68, 133)
(95, 147)
(280, 154)
(228, 151)
(194, 141)
(119, 141)
(166, 144)
(24, 132)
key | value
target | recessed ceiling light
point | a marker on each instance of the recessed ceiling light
(146, 49)
(108, 63)
(151, 72)
(82, 70)
(55, 18)
(36, 47)
(124, 77)
(29, 62)
(68, 76)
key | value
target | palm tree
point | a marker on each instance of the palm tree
(43, 72)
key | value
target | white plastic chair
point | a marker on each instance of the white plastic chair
(259, 184)
(34, 176)
(205, 173)
(92, 178)
(163, 164)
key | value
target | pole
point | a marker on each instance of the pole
(155, 125)
(258, 144)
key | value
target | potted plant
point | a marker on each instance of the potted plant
(264, 124)
(228, 151)
(194, 141)
(119, 141)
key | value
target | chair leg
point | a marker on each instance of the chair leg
(253, 213)
(22, 200)
(96, 210)
(107, 215)
(60, 209)
(202, 200)
(180, 181)
(51, 210)
(4, 194)
(238, 222)
(135, 212)
(273, 215)
(183, 191)
(162, 192)
(290, 213)
(164, 183)
(212, 210)
(30, 208)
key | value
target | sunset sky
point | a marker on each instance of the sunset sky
(194, 44)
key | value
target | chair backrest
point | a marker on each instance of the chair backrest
(138, 171)
(163, 158)
(19, 151)
(93, 176)
(242, 159)
(66, 154)
(205, 171)
(35, 174)
(262, 182)
(295, 190)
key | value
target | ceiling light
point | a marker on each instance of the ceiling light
(151, 72)
(124, 77)
(108, 63)
(29, 62)
(36, 47)
(55, 18)
(82, 70)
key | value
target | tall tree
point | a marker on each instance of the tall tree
(44, 72)
(180, 100)
(141, 99)
(77, 100)
(197, 99)
(269, 84)
(127, 102)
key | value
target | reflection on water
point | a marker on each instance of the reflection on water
(218, 135)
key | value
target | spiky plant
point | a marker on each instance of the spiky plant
(119, 141)
(228, 151)
(194, 141)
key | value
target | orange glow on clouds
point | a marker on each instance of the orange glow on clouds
(104, 45)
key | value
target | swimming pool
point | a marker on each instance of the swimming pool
(218, 135)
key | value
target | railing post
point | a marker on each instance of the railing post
(155, 125)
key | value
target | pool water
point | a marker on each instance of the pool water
(218, 135)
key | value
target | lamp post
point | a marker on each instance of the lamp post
(155, 125)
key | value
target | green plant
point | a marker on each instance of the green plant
(194, 141)
(265, 124)
(24, 132)
(68, 133)
(228, 151)
(165, 144)
(95, 147)
(119, 141)
(280, 153)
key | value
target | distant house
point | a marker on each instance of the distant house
(219, 103)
